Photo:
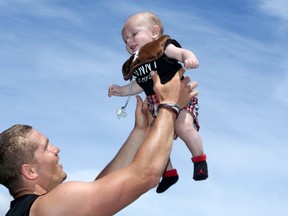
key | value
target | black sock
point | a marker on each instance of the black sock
(169, 178)
(200, 171)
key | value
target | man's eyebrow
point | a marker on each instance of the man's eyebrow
(46, 143)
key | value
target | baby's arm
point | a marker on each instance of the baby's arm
(183, 55)
(116, 90)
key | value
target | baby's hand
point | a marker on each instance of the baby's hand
(191, 63)
(114, 90)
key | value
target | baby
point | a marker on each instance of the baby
(150, 50)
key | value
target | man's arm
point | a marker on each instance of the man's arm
(117, 189)
(127, 152)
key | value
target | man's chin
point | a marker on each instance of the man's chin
(64, 176)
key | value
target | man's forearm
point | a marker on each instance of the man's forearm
(126, 153)
(153, 155)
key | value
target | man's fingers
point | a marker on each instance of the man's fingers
(141, 114)
(181, 71)
(139, 102)
(189, 84)
(185, 81)
(192, 85)
(194, 93)
(155, 77)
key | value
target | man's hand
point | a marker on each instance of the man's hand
(175, 91)
(141, 114)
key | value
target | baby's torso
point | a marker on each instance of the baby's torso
(165, 69)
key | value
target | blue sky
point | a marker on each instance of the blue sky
(57, 58)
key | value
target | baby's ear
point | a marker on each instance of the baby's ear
(155, 31)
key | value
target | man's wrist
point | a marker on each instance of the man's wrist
(171, 107)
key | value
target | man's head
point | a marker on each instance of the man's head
(28, 160)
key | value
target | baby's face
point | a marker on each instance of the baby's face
(136, 33)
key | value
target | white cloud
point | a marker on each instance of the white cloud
(82, 175)
(281, 86)
(38, 8)
(278, 8)
(5, 199)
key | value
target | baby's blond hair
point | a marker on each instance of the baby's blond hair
(151, 18)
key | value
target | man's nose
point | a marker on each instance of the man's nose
(54, 149)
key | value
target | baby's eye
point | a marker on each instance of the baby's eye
(134, 34)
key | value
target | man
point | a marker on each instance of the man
(30, 168)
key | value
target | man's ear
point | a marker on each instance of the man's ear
(28, 172)
(155, 31)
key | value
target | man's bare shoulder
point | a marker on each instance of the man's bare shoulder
(65, 199)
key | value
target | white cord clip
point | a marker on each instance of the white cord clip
(121, 112)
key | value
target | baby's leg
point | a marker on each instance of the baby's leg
(186, 131)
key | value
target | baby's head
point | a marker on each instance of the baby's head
(152, 20)
(140, 29)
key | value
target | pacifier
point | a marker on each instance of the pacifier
(121, 112)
